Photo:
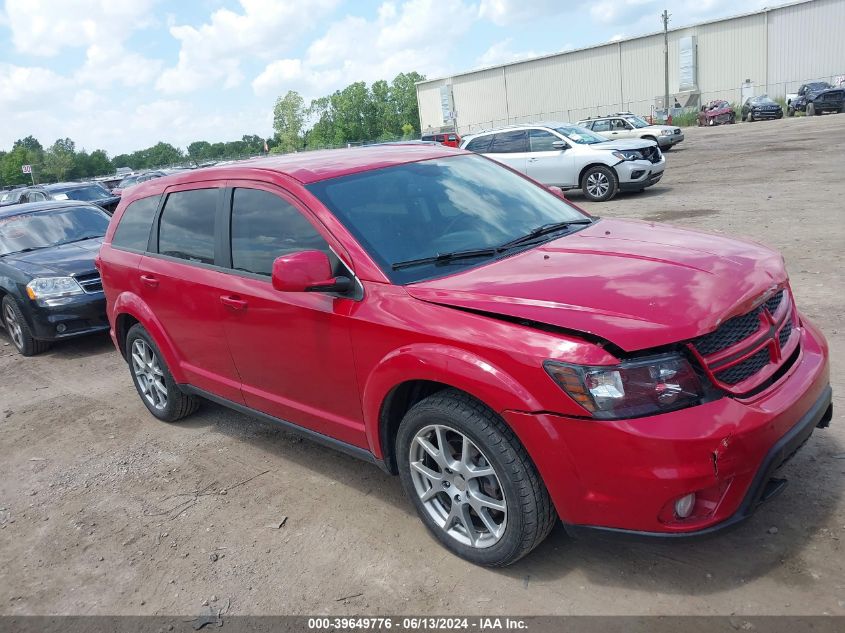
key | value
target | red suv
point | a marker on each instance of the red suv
(511, 358)
(449, 140)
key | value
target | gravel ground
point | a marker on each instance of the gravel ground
(104, 510)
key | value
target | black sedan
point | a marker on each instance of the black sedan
(85, 191)
(762, 107)
(50, 287)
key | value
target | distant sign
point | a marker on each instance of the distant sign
(446, 103)
(27, 169)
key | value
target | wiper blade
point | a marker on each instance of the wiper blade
(544, 229)
(28, 249)
(81, 239)
(443, 258)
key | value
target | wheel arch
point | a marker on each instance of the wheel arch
(590, 166)
(130, 309)
(425, 370)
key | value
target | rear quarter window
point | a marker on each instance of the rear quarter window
(187, 224)
(133, 232)
(480, 144)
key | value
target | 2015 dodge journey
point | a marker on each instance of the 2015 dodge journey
(511, 358)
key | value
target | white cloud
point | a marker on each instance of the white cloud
(27, 88)
(46, 27)
(353, 48)
(213, 51)
(502, 53)
(510, 12)
(111, 62)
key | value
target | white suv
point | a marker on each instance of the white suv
(629, 125)
(572, 157)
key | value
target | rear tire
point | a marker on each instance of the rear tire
(600, 183)
(153, 380)
(443, 444)
(18, 329)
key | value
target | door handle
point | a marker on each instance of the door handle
(233, 303)
(149, 280)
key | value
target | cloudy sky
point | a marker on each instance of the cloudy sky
(123, 74)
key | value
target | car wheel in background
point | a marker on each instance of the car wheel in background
(471, 480)
(18, 329)
(599, 183)
(790, 111)
(811, 109)
(750, 117)
(158, 391)
(711, 121)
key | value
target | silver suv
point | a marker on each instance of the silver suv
(572, 157)
(629, 125)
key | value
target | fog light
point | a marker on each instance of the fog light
(636, 174)
(61, 327)
(684, 506)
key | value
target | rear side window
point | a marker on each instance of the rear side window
(510, 142)
(133, 232)
(265, 226)
(601, 126)
(480, 144)
(187, 225)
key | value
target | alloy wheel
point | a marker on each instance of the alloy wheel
(458, 486)
(14, 327)
(598, 184)
(148, 373)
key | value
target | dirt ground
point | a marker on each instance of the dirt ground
(105, 510)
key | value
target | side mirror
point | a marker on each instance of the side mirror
(307, 271)
(557, 191)
(561, 145)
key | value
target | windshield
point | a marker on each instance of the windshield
(445, 205)
(580, 135)
(764, 101)
(129, 180)
(42, 229)
(89, 193)
(636, 121)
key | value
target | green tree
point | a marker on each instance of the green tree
(99, 163)
(403, 95)
(59, 160)
(288, 121)
(199, 150)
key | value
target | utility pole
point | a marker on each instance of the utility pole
(665, 17)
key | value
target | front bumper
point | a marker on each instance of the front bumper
(624, 476)
(670, 140)
(639, 174)
(84, 314)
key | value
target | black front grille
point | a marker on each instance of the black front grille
(90, 282)
(783, 337)
(773, 302)
(729, 333)
(745, 369)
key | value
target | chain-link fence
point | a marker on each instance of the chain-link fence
(647, 107)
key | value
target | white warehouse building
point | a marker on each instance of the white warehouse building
(772, 51)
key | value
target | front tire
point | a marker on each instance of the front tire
(18, 329)
(790, 111)
(599, 183)
(153, 380)
(471, 480)
(750, 117)
(811, 109)
(711, 121)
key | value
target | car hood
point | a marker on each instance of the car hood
(76, 258)
(636, 284)
(660, 128)
(631, 143)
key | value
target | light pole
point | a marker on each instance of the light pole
(665, 17)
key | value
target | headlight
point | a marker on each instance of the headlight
(628, 154)
(666, 132)
(48, 289)
(630, 389)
